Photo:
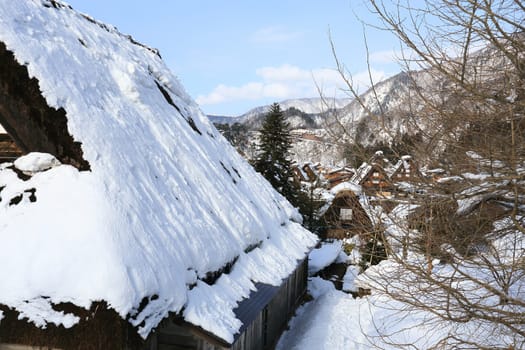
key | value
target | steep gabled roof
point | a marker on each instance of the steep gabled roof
(148, 200)
(405, 163)
(361, 173)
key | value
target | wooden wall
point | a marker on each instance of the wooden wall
(261, 334)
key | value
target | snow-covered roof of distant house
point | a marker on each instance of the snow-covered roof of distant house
(300, 172)
(482, 161)
(361, 173)
(341, 189)
(347, 186)
(405, 162)
(166, 200)
(341, 169)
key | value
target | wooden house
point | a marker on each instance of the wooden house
(405, 170)
(406, 177)
(264, 315)
(311, 171)
(298, 174)
(129, 222)
(305, 173)
(373, 179)
(339, 175)
(345, 216)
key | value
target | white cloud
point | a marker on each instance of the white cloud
(363, 80)
(285, 72)
(249, 91)
(274, 34)
(288, 81)
(384, 57)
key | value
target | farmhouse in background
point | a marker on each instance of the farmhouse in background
(343, 214)
(406, 170)
(339, 175)
(374, 180)
(307, 172)
(373, 176)
(406, 177)
(130, 223)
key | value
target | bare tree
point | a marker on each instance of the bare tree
(460, 256)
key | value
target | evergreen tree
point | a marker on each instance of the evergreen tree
(272, 159)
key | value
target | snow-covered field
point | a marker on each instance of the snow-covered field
(335, 320)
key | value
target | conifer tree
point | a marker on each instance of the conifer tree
(274, 147)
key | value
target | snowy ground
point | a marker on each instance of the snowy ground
(335, 320)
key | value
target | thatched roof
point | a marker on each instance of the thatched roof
(146, 201)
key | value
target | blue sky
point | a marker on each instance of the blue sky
(234, 55)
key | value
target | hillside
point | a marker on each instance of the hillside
(387, 116)
(346, 121)
(309, 112)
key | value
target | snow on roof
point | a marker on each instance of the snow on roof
(347, 186)
(323, 256)
(302, 173)
(393, 169)
(485, 161)
(404, 162)
(36, 162)
(167, 199)
(329, 196)
(361, 173)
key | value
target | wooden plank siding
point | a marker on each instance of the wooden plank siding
(264, 314)
(339, 227)
(9, 151)
(24, 347)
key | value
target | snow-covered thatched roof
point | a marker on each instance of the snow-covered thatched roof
(165, 200)
(361, 173)
(404, 162)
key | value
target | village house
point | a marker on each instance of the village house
(299, 175)
(373, 176)
(338, 175)
(343, 214)
(310, 137)
(405, 170)
(406, 176)
(312, 171)
(307, 172)
(129, 222)
(374, 180)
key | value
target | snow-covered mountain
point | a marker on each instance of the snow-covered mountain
(304, 112)
(333, 122)
(377, 116)
(315, 105)
(380, 117)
